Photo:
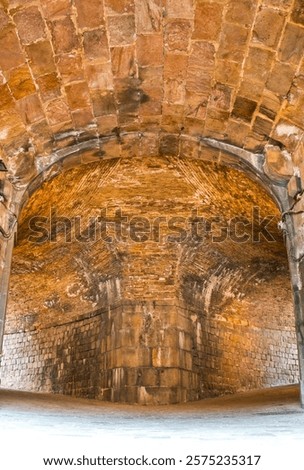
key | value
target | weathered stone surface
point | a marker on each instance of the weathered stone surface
(11, 55)
(282, 86)
(257, 66)
(145, 339)
(41, 58)
(56, 8)
(292, 44)
(30, 109)
(123, 61)
(78, 95)
(121, 29)
(149, 50)
(297, 15)
(104, 104)
(30, 25)
(177, 35)
(149, 15)
(207, 21)
(268, 27)
(89, 14)
(99, 76)
(57, 111)
(179, 10)
(119, 7)
(95, 44)
(241, 12)
(64, 35)
(233, 42)
(20, 82)
(244, 108)
(70, 67)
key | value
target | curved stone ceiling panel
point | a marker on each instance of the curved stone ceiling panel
(74, 70)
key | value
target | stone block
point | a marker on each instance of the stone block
(70, 67)
(123, 61)
(292, 44)
(149, 377)
(64, 35)
(262, 126)
(207, 21)
(244, 108)
(148, 15)
(30, 109)
(119, 7)
(297, 15)
(89, 14)
(227, 72)
(57, 111)
(56, 8)
(103, 104)
(149, 50)
(241, 12)
(177, 35)
(170, 377)
(30, 25)
(286, 74)
(165, 357)
(233, 42)
(41, 59)
(11, 55)
(121, 30)
(95, 44)
(78, 95)
(49, 86)
(20, 82)
(183, 9)
(268, 27)
(258, 64)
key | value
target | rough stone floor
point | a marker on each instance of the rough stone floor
(260, 421)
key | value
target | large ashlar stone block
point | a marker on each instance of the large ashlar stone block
(278, 163)
(89, 14)
(244, 108)
(268, 27)
(149, 50)
(11, 55)
(119, 7)
(148, 15)
(291, 48)
(56, 8)
(30, 109)
(177, 35)
(20, 82)
(183, 9)
(64, 35)
(95, 44)
(207, 21)
(30, 25)
(121, 30)
(41, 59)
(241, 12)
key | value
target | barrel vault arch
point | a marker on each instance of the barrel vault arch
(134, 145)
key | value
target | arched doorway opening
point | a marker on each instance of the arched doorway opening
(170, 303)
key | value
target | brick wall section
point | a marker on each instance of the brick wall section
(62, 359)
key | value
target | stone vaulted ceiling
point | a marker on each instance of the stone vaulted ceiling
(75, 70)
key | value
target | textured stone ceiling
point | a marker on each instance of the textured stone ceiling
(72, 70)
(56, 280)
